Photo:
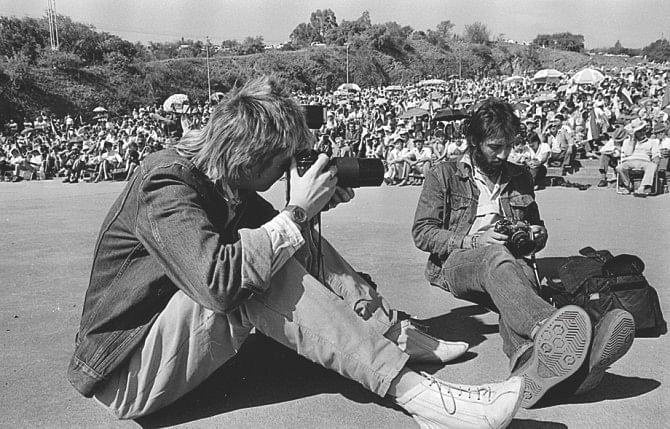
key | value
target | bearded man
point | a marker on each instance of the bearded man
(460, 204)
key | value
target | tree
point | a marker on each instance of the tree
(476, 32)
(444, 29)
(253, 45)
(563, 41)
(322, 21)
(303, 35)
(658, 50)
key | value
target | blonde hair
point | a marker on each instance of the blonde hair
(252, 125)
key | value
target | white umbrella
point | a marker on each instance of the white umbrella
(588, 76)
(381, 101)
(432, 82)
(99, 109)
(547, 75)
(176, 103)
(349, 87)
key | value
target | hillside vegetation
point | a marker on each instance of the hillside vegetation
(119, 75)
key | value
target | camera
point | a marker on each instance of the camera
(520, 241)
(351, 172)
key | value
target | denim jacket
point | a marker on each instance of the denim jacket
(448, 206)
(171, 228)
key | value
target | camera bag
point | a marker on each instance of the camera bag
(598, 282)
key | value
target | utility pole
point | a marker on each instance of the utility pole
(53, 25)
(347, 45)
(209, 82)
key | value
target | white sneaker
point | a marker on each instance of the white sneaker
(437, 404)
(423, 348)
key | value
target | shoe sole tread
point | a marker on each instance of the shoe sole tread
(560, 348)
(609, 345)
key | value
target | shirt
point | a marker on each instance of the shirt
(488, 204)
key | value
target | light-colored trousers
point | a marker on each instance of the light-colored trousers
(649, 170)
(338, 323)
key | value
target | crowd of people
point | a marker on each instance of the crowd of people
(410, 128)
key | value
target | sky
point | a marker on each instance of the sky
(635, 23)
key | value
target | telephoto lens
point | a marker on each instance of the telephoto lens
(351, 172)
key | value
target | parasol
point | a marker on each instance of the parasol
(176, 103)
(349, 87)
(99, 109)
(547, 75)
(588, 76)
(432, 82)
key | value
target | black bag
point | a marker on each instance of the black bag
(599, 282)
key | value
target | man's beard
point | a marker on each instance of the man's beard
(483, 164)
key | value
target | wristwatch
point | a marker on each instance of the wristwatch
(297, 215)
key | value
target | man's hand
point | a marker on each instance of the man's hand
(540, 236)
(315, 188)
(341, 195)
(490, 237)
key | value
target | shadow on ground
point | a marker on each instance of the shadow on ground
(265, 372)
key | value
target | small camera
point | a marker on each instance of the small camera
(351, 172)
(520, 236)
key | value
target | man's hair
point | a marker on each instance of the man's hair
(252, 125)
(493, 119)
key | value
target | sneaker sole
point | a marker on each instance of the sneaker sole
(559, 349)
(613, 338)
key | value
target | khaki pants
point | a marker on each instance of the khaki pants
(339, 325)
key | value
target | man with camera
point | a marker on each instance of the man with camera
(478, 219)
(190, 259)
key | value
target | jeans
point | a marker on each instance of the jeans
(338, 324)
(490, 276)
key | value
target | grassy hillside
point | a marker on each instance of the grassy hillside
(122, 86)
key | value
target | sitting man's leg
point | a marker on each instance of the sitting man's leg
(647, 182)
(187, 343)
(492, 277)
(345, 282)
(606, 161)
(623, 170)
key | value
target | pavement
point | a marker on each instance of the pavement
(48, 235)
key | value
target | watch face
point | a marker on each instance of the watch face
(299, 214)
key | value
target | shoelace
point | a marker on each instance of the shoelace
(482, 391)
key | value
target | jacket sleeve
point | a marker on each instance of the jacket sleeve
(179, 233)
(429, 231)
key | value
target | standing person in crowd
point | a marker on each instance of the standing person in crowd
(460, 205)
(639, 152)
(210, 260)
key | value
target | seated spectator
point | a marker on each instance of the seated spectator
(395, 163)
(610, 153)
(75, 162)
(537, 162)
(561, 144)
(417, 162)
(639, 153)
(661, 133)
(109, 160)
(132, 158)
